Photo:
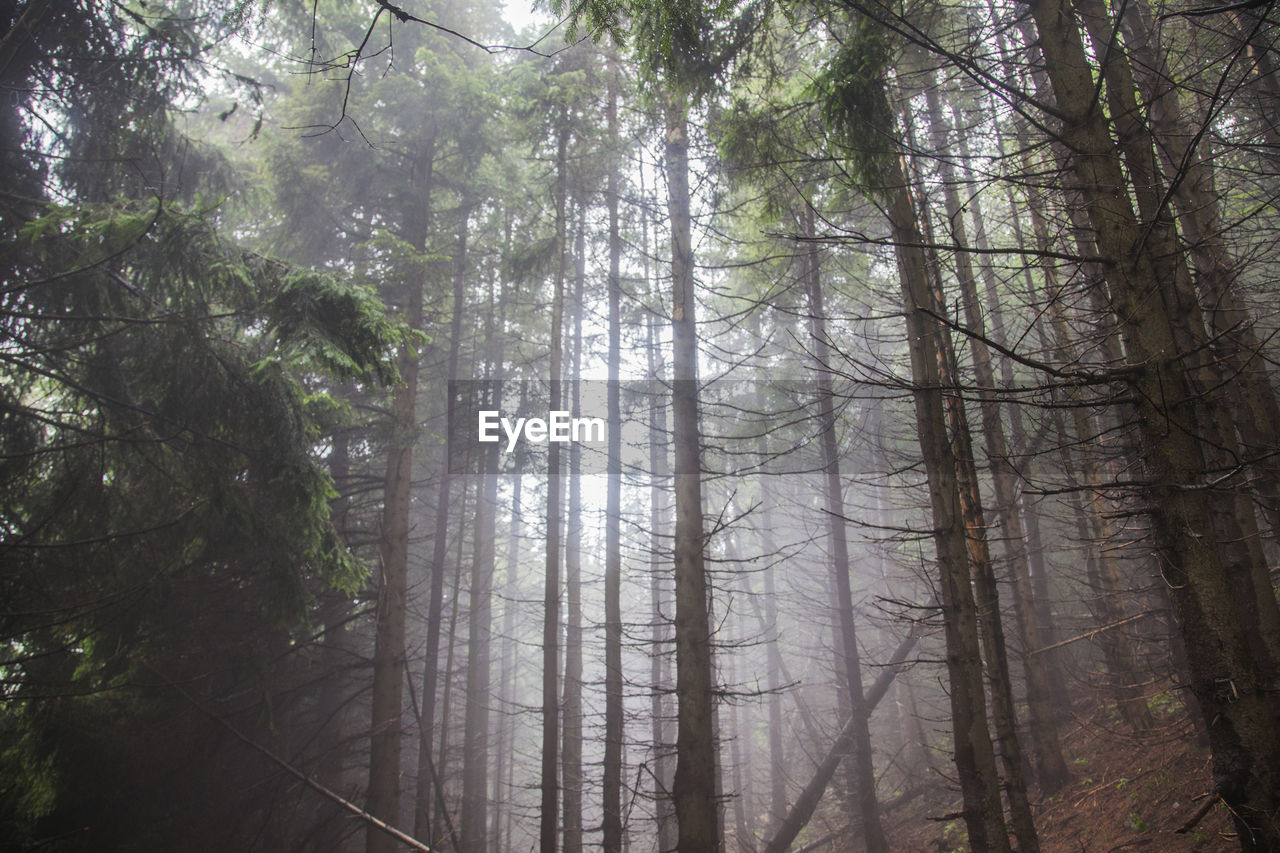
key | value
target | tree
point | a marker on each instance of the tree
(858, 92)
(232, 538)
(1241, 731)
(167, 401)
(1051, 768)
(864, 766)
(548, 823)
(614, 719)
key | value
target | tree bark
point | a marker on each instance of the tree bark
(769, 630)
(571, 709)
(548, 833)
(613, 713)
(694, 787)
(443, 821)
(1051, 769)
(1232, 693)
(336, 650)
(986, 592)
(383, 798)
(847, 654)
(475, 764)
(974, 755)
(1233, 515)
(1102, 566)
(1191, 184)
(660, 472)
(1031, 548)
(424, 803)
(510, 662)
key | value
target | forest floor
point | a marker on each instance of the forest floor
(1126, 793)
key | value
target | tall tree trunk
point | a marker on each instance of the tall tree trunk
(383, 798)
(1233, 695)
(475, 761)
(849, 659)
(1102, 573)
(739, 792)
(1102, 564)
(986, 590)
(694, 788)
(510, 661)
(1191, 185)
(425, 799)
(336, 647)
(571, 708)
(1233, 515)
(660, 471)
(769, 630)
(613, 711)
(444, 825)
(1119, 654)
(974, 754)
(1031, 548)
(1051, 768)
(548, 817)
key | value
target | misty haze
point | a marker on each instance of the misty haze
(657, 426)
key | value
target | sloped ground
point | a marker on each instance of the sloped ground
(1127, 793)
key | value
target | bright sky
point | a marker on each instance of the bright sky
(520, 14)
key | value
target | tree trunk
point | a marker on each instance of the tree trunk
(1233, 695)
(986, 592)
(571, 709)
(1233, 515)
(769, 630)
(744, 840)
(383, 798)
(1198, 208)
(425, 800)
(1119, 654)
(548, 833)
(336, 651)
(444, 825)
(475, 753)
(974, 755)
(660, 471)
(613, 712)
(694, 787)
(1051, 768)
(1031, 548)
(510, 661)
(848, 657)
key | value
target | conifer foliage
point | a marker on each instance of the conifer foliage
(932, 346)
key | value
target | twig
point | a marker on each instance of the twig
(351, 807)
(1091, 634)
(1137, 842)
(1204, 809)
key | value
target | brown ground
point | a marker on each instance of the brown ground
(1127, 794)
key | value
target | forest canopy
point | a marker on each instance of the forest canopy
(882, 447)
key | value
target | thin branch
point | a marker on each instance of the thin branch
(376, 823)
(1091, 634)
